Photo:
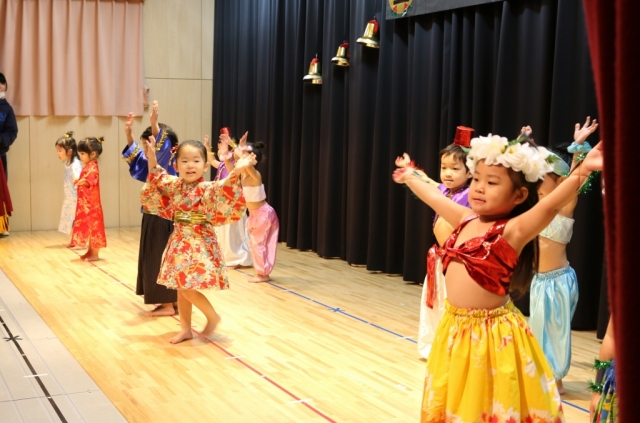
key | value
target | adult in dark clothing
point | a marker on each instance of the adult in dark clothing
(8, 125)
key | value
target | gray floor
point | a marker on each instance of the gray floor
(43, 383)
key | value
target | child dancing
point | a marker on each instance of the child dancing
(233, 238)
(554, 288)
(68, 154)
(154, 230)
(263, 222)
(88, 226)
(455, 176)
(192, 259)
(485, 363)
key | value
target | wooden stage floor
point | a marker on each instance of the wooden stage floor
(323, 342)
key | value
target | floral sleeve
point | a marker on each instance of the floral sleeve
(223, 201)
(157, 192)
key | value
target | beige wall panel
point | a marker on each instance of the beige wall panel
(47, 172)
(129, 188)
(19, 166)
(173, 39)
(208, 7)
(180, 103)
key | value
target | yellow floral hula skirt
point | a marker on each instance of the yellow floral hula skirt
(486, 366)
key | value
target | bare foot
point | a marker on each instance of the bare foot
(211, 327)
(182, 336)
(560, 387)
(259, 278)
(161, 311)
(90, 258)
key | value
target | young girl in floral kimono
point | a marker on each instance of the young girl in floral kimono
(192, 260)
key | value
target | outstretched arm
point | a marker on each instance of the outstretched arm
(522, 229)
(405, 161)
(451, 211)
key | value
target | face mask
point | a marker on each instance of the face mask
(1, 95)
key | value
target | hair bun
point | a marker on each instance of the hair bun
(100, 139)
(258, 144)
(68, 134)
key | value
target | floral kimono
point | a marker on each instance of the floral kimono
(192, 259)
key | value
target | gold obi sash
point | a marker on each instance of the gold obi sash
(189, 218)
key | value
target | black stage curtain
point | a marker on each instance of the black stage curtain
(331, 147)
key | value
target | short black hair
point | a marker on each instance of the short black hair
(457, 152)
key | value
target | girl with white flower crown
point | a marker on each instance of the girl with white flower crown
(485, 364)
(554, 288)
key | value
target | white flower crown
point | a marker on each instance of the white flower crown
(533, 162)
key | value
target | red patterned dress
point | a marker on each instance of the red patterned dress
(88, 226)
(192, 259)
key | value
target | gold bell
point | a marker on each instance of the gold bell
(342, 56)
(370, 37)
(314, 76)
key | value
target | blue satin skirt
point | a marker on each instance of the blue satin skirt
(554, 296)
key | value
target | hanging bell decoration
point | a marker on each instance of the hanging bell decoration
(371, 37)
(342, 56)
(314, 76)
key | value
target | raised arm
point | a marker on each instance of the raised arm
(522, 229)
(153, 119)
(127, 129)
(211, 157)
(450, 211)
(580, 135)
(150, 152)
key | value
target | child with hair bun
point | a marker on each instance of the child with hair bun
(88, 226)
(68, 153)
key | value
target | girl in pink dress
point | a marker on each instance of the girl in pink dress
(263, 222)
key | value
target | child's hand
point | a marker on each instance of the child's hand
(206, 142)
(581, 134)
(225, 139)
(128, 124)
(526, 131)
(594, 160)
(246, 161)
(403, 161)
(153, 117)
(150, 147)
(402, 175)
(82, 183)
(243, 140)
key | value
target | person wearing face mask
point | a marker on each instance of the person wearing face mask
(8, 125)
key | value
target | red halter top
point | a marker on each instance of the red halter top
(489, 259)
